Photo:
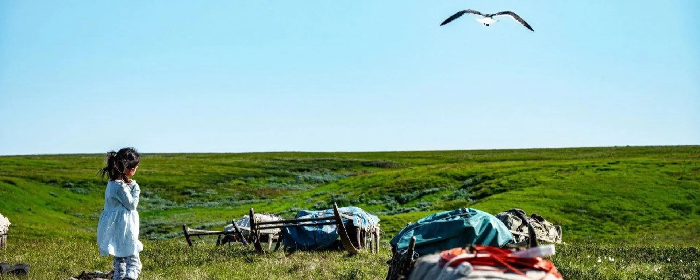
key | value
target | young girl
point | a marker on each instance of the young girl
(118, 229)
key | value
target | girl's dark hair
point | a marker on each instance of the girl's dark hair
(118, 162)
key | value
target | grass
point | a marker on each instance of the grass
(66, 257)
(171, 259)
(625, 261)
(612, 202)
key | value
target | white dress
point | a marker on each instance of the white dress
(118, 229)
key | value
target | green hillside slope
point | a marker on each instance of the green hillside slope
(631, 193)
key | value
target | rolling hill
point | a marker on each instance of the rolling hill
(607, 193)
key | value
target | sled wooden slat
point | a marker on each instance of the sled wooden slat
(255, 232)
(295, 220)
(239, 233)
(297, 225)
(189, 232)
(344, 237)
(185, 229)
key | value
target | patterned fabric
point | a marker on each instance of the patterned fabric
(4, 225)
(127, 267)
(544, 230)
(118, 229)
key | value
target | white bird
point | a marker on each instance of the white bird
(487, 19)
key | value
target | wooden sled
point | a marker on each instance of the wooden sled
(236, 233)
(354, 239)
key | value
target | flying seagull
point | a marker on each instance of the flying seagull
(487, 19)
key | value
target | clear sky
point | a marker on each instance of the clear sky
(345, 75)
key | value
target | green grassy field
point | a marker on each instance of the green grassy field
(636, 205)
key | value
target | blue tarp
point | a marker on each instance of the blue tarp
(319, 237)
(450, 229)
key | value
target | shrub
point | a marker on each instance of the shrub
(380, 164)
(340, 199)
(78, 190)
(405, 198)
(189, 192)
(457, 194)
(289, 186)
(146, 193)
(320, 177)
(374, 202)
(320, 205)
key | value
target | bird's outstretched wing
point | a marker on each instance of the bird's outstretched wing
(515, 17)
(459, 14)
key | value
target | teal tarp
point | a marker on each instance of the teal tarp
(451, 229)
(318, 237)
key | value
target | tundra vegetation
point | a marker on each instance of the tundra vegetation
(626, 212)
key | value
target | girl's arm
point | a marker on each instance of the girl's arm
(124, 195)
(135, 194)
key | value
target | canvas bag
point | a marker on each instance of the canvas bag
(449, 229)
(544, 230)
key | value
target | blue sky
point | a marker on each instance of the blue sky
(318, 75)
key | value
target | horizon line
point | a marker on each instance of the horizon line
(382, 151)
